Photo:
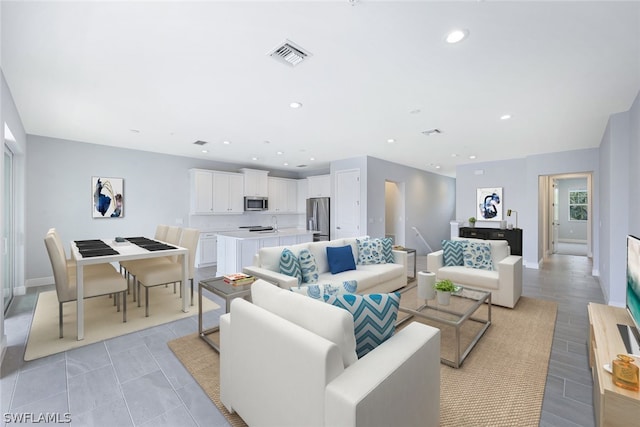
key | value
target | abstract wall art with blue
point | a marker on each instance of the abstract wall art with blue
(107, 197)
(489, 204)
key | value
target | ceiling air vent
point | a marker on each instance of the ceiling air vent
(289, 53)
(198, 142)
(301, 166)
(433, 131)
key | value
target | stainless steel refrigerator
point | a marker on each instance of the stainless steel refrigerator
(318, 217)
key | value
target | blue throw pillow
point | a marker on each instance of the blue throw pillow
(387, 250)
(340, 259)
(374, 317)
(370, 251)
(477, 255)
(452, 253)
(308, 266)
(290, 265)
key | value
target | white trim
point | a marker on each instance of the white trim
(581, 241)
(39, 281)
(595, 272)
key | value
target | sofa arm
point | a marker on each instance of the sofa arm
(266, 349)
(272, 277)
(367, 393)
(435, 261)
(400, 257)
(510, 280)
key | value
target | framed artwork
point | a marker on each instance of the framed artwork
(489, 204)
(107, 197)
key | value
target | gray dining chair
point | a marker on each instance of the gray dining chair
(152, 275)
(96, 282)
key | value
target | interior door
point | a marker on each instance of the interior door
(556, 221)
(347, 204)
(7, 230)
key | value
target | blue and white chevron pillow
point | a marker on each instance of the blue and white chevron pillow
(387, 250)
(290, 265)
(374, 317)
(308, 266)
(319, 291)
(452, 253)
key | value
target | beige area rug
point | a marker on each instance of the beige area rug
(501, 383)
(101, 320)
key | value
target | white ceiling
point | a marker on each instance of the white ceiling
(178, 72)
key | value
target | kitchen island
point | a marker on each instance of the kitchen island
(236, 249)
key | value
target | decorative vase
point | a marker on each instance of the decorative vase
(426, 280)
(443, 297)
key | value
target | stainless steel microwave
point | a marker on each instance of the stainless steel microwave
(256, 204)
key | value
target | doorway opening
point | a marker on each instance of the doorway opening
(8, 224)
(394, 224)
(569, 214)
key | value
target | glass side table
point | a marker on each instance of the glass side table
(224, 290)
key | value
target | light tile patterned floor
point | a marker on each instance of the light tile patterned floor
(135, 380)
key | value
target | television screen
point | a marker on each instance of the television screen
(633, 288)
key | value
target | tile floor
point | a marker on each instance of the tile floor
(135, 380)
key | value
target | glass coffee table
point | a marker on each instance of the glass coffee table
(228, 292)
(459, 321)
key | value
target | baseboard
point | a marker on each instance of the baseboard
(581, 241)
(39, 281)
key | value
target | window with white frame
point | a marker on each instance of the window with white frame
(578, 203)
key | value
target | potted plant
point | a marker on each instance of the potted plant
(472, 221)
(444, 289)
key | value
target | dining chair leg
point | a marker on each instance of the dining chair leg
(124, 306)
(191, 280)
(60, 317)
(146, 301)
(138, 291)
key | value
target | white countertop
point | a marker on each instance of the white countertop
(242, 234)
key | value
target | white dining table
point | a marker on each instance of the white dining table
(126, 251)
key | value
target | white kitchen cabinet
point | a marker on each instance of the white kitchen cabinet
(228, 190)
(214, 192)
(201, 191)
(288, 240)
(304, 238)
(207, 252)
(319, 186)
(283, 195)
(255, 182)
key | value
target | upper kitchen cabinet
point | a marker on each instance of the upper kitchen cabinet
(283, 195)
(256, 182)
(319, 186)
(214, 192)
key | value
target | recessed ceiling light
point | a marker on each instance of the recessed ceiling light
(457, 36)
(295, 105)
(454, 155)
(391, 141)
(437, 166)
(226, 142)
(505, 117)
(279, 153)
(254, 158)
(312, 158)
(472, 157)
(205, 151)
(286, 164)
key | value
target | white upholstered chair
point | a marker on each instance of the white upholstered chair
(97, 282)
(150, 275)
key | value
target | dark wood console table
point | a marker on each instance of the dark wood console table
(514, 237)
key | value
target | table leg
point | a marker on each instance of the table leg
(80, 299)
(185, 283)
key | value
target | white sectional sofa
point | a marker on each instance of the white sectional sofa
(375, 278)
(504, 282)
(289, 360)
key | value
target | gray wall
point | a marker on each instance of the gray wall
(519, 180)
(429, 200)
(156, 191)
(570, 230)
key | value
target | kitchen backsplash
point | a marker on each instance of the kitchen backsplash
(231, 222)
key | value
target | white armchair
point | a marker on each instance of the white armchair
(283, 364)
